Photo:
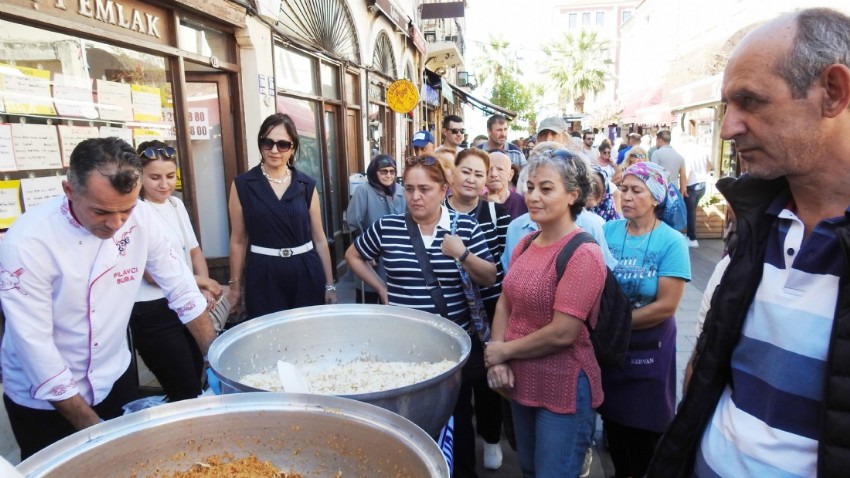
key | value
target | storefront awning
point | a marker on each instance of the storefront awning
(485, 106)
(647, 106)
(697, 94)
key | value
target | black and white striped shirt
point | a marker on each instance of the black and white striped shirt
(388, 239)
(493, 220)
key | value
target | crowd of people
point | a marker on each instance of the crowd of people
(762, 399)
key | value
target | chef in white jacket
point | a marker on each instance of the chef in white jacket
(69, 273)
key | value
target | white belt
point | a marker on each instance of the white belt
(285, 252)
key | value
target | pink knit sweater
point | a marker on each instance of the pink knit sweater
(529, 287)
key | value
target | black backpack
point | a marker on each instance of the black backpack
(613, 329)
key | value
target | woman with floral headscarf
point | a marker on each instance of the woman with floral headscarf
(653, 266)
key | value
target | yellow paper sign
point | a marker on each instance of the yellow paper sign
(27, 91)
(147, 103)
(402, 96)
(10, 202)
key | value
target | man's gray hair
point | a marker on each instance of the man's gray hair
(822, 39)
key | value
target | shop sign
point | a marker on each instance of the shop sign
(394, 14)
(418, 39)
(199, 123)
(122, 16)
(402, 96)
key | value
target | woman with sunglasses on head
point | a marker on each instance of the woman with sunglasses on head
(371, 202)
(392, 237)
(653, 266)
(279, 252)
(470, 178)
(634, 155)
(164, 343)
(541, 352)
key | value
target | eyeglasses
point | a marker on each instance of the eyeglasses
(457, 130)
(282, 145)
(153, 153)
(387, 172)
(639, 156)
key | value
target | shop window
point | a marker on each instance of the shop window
(57, 90)
(305, 115)
(330, 81)
(295, 71)
(200, 39)
(352, 89)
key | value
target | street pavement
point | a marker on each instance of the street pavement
(703, 260)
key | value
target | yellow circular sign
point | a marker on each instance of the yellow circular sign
(402, 96)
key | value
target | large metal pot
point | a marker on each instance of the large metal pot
(344, 333)
(313, 435)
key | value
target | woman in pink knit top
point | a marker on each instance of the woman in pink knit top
(540, 351)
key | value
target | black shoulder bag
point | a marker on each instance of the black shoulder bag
(431, 282)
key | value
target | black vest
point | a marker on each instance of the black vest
(676, 452)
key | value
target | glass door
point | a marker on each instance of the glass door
(334, 212)
(211, 139)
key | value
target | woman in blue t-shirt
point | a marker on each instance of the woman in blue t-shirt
(653, 266)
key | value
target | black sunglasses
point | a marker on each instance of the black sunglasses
(153, 153)
(457, 130)
(282, 145)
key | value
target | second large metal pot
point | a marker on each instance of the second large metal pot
(344, 333)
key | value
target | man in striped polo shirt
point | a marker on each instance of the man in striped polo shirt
(770, 390)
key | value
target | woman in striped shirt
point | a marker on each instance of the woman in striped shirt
(470, 177)
(388, 238)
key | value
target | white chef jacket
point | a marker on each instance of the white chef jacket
(67, 296)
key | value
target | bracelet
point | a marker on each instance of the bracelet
(330, 288)
(463, 256)
(232, 281)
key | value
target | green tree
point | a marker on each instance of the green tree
(578, 65)
(498, 68)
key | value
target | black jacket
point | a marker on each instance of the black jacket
(676, 452)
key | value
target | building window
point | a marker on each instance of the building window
(58, 90)
(600, 19)
(585, 19)
(573, 21)
(626, 15)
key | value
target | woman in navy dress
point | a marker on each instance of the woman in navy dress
(276, 230)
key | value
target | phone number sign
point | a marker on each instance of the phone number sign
(199, 123)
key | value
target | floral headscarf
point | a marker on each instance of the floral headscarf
(657, 181)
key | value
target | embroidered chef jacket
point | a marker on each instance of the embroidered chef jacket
(67, 297)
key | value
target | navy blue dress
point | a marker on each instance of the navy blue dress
(276, 283)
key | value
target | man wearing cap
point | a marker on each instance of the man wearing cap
(553, 128)
(497, 132)
(423, 143)
(453, 133)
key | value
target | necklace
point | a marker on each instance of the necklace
(645, 240)
(274, 180)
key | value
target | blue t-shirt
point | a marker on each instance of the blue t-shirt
(641, 260)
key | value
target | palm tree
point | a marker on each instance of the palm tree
(497, 59)
(579, 64)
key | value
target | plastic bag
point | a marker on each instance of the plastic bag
(143, 403)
